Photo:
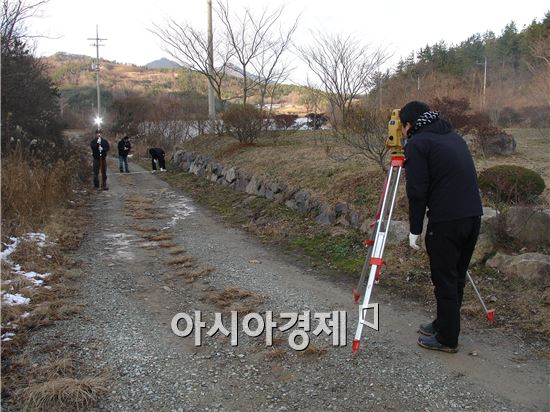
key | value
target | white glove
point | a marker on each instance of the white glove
(412, 241)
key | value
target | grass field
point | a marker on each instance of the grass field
(299, 159)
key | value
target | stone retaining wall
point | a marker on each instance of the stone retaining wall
(341, 214)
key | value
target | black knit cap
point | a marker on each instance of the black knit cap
(412, 111)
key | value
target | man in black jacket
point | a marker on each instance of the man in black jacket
(124, 147)
(441, 177)
(100, 147)
(157, 156)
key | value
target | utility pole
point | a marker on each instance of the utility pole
(211, 99)
(484, 80)
(98, 119)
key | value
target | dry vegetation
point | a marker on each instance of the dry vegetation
(180, 263)
(31, 190)
(47, 198)
(56, 383)
(299, 159)
(235, 299)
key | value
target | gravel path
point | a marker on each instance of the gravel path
(131, 294)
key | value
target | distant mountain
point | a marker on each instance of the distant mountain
(237, 72)
(163, 63)
(61, 56)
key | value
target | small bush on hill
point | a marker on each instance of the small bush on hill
(243, 122)
(316, 120)
(284, 121)
(511, 184)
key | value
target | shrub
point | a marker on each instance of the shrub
(454, 110)
(463, 119)
(243, 122)
(284, 121)
(316, 120)
(509, 117)
(511, 184)
(536, 116)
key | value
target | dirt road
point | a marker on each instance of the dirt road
(152, 253)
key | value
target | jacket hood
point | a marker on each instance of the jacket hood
(440, 126)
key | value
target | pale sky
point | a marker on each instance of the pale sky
(400, 26)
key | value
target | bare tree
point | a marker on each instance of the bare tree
(344, 67)
(189, 46)
(269, 65)
(540, 49)
(249, 36)
(364, 134)
(12, 21)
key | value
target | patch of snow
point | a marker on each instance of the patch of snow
(39, 238)
(10, 248)
(16, 299)
(181, 209)
(31, 275)
(7, 336)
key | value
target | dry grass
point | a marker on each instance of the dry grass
(276, 354)
(140, 207)
(192, 275)
(142, 228)
(532, 150)
(160, 237)
(167, 244)
(240, 300)
(56, 368)
(34, 258)
(67, 226)
(12, 313)
(63, 393)
(313, 351)
(178, 250)
(180, 259)
(31, 190)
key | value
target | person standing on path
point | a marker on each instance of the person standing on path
(100, 148)
(124, 147)
(441, 177)
(157, 156)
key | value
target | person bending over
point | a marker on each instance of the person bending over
(441, 178)
(157, 157)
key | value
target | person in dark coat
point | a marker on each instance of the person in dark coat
(157, 156)
(124, 147)
(441, 177)
(100, 148)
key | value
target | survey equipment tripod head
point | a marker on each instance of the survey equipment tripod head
(395, 133)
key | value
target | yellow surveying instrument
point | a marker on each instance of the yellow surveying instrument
(380, 229)
(395, 133)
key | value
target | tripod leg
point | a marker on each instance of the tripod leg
(376, 260)
(490, 313)
(358, 291)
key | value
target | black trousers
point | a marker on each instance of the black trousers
(450, 246)
(100, 165)
(160, 159)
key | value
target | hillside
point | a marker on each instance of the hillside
(506, 75)
(74, 74)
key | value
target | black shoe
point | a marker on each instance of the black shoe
(430, 342)
(427, 329)
(104, 188)
(121, 171)
(127, 171)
